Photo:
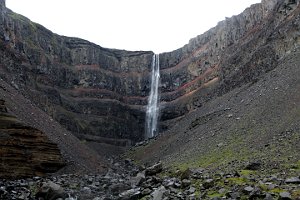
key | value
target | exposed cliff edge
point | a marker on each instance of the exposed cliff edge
(100, 93)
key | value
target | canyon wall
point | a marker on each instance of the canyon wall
(92, 91)
(100, 94)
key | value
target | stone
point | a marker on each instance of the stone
(208, 183)
(132, 194)
(158, 194)
(191, 190)
(185, 183)
(86, 190)
(216, 198)
(155, 169)
(138, 179)
(222, 191)
(197, 173)
(146, 191)
(285, 196)
(248, 189)
(268, 197)
(293, 180)
(118, 188)
(50, 190)
(234, 195)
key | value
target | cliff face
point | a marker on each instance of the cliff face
(99, 92)
(237, 51)
(25, 151)
(88, 89)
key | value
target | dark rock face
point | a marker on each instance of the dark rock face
(237, 51)
(88, 89)
(25, 151)
(94, 91)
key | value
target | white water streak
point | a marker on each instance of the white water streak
(153, 100)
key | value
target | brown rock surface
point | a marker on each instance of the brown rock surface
(25, 151)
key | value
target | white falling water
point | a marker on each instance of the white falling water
(153, 100)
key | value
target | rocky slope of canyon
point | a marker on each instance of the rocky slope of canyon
(100, 94)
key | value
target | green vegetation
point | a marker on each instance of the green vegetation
(213, 194)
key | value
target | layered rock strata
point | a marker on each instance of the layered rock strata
(25, 151)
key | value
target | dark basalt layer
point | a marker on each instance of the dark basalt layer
(103, 92)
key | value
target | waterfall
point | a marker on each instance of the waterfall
(153, 100)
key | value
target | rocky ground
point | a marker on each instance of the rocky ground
(255, 122)
(127, 181)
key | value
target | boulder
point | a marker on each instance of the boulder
(50, 191)
(293, 180)
(285, 196)
(155, 169)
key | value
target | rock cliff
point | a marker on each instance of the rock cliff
(24, 150)
(99, 93)
(237, 51)
(88, 89)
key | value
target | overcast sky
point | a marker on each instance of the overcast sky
(157, 25)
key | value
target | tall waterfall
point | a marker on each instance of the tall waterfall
(153, 100)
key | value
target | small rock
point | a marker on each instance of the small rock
(186, 183)
(132, 194)
(220, 144)
(234, 195)
(192, 197)
(146, 191)
(216, 198)
(293, 180)
(248, 189)
(222, 191)
(197, 173)
(268, 197)
(51, 191)
(86, 190)
(177, 184)
(208, 183)
(192, 190)
(139, 178)
(118, 188)
(271, 186)
(153, 170)
(285, 196)
(159, 193)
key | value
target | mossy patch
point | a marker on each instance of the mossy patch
(237, 181)
(247, 172)
(213, 194)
